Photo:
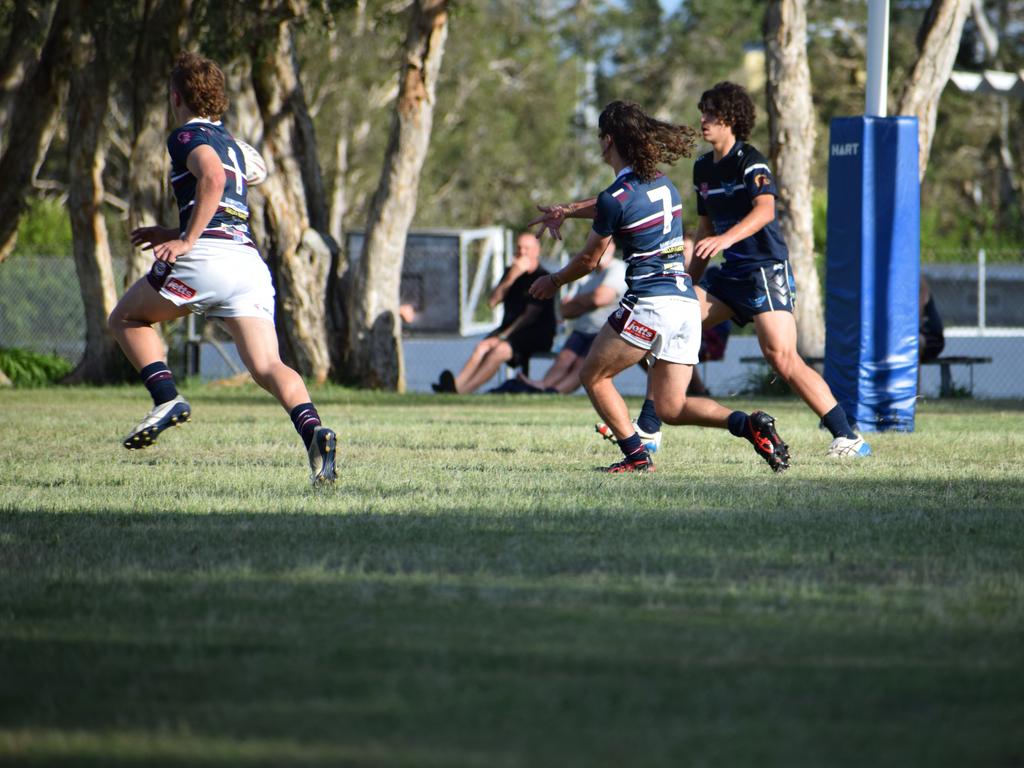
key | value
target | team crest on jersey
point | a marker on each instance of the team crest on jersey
(761, 180)
(728, 188)
(185, 137)
(704, 190)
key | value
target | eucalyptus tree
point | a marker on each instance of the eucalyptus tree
(938, 43)
(36, 80)
(161, 31)
(374, 352)
(296, 242)
(793, 129)
(88, 106)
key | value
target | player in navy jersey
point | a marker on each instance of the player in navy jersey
(637, 213)
(659, 315)
(736, 192)
(209, 264)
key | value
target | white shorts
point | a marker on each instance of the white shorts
(667, 326)
(219, 278)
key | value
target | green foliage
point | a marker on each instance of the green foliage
(44, 229)
(32, 369)
(503, 136)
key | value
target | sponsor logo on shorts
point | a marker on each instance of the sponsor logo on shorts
(640, 331)
(178, 288)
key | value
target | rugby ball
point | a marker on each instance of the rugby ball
(255, 165)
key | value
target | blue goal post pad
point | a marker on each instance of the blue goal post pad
(872, 270)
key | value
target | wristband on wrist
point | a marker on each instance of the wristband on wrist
(554, 280)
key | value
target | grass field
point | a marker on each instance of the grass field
(471, 593)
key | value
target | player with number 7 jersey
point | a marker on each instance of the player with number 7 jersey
(645, 219)
(659, 318)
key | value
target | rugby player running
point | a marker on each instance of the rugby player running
(209, 264)
(735, 192)
(659, 316)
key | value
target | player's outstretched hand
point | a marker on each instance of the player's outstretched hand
(148, 237)
(551, 219)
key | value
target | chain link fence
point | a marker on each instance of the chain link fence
(980, 298)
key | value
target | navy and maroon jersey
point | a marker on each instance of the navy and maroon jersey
(232, 216)
(725, 193)
(645, 219)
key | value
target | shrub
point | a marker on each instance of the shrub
(44, 229)
(32, 369)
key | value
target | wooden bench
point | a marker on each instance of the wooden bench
(946, 376)
(945, 363)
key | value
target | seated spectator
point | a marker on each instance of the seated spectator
(588, 308)
(932, 335)
(528, 325)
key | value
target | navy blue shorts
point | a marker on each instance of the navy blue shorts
(768, 288)
(579, 343)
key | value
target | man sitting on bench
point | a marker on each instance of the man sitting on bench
(588, 308)
(528, 325)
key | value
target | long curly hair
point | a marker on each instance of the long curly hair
(644, 141)
(201, 84)
(731, 104)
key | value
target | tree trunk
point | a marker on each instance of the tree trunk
(337, 276)
(33, 115)
(375, 348)
(31, 19)
(939, 41)
(88, 105)
(149, 200)
(791, 121)
(298, 251)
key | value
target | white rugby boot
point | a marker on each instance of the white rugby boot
(173, 413)
(322, 450)
(651, 440)
(845, 448)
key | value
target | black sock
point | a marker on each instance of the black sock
(306, 420)
(632, 447)
(835, 421)
(160, 382)
(738, 425)
(648, 419)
